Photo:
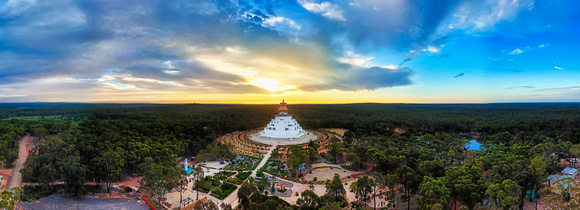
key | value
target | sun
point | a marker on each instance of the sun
(270, 84)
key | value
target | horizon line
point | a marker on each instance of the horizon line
(192, 103)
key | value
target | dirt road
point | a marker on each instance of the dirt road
(22, 155)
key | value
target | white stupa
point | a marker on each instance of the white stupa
(283, 126)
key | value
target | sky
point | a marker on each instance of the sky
(304, 51)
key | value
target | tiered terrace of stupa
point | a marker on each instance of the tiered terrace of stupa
(283, 126)
(253, 143)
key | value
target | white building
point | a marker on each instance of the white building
(283, 126)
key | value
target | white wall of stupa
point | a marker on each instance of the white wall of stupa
(283, 126)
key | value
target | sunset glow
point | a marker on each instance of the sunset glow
(305, 51)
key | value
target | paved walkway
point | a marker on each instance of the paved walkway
(311, 136)
(233, 197)
(22, 155)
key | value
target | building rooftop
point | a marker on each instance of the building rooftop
(569, 170)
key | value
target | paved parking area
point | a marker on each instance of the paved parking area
(58, 202)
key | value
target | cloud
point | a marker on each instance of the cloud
(480, 16)
(520, 87)
(112, 49)
(516, 51)
(433, 49)
(560, 89)
(353, 59)
(459, 75)
(326, 9)
(365, 79)
(277, 21)
(405, 61)
(559, 68)
(390, 67)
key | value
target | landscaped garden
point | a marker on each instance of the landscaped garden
(242, 162)
(240, 177)
(223, 175)
(276, 168)
(216, 188)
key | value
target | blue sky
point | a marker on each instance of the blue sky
(305, 51)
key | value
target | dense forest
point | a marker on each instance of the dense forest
(417, 146)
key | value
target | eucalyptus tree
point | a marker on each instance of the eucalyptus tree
(363, 188)
(308, 200)
(432, 192)
(335, 188)
(380, 181)
(198, 175)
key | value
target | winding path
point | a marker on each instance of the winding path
(22, 155)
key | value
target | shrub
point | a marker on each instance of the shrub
(227, 192)
(315, 178)
(244, 175)
(235, 181)
(300, 175)
(226, 186)
(566, 196)
(206, 186)
(260, 173)
(217, 190)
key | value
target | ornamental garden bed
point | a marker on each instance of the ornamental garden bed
(239, 178)
(223, 175)
(227, 189)
(242, 162)
(277, 168)
(243, 176)
(216, 188)
(209, 183)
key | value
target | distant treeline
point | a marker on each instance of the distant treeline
(556, 120)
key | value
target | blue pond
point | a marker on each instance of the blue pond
(473, 145)
(189, 170)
